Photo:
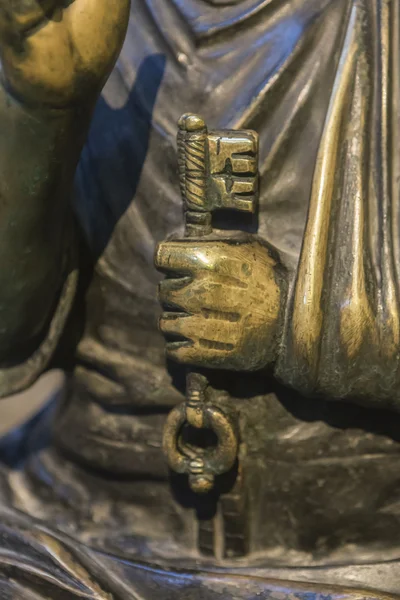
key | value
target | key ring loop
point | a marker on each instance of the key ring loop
(201, 465)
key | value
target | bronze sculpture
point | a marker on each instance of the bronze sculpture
(302, 295)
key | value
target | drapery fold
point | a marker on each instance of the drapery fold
(343, 333)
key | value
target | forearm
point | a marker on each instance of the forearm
(39, 150)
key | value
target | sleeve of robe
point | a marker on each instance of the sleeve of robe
(342, 333)
(38, 270)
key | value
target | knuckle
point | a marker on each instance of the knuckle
(164, 292)
(177, 323)
(161, 255)
(169, 322)
(162, 325)
(171, 299)
(182, 354)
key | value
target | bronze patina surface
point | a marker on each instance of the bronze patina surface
(249, 449)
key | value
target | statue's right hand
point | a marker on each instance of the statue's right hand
(58, 53)
(222, 302)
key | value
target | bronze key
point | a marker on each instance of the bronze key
(217, 170)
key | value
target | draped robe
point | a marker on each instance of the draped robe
(318, 80)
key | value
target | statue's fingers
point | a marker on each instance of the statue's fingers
(198, 354)
(22, 16)
(208, 295)
(232, 262)
(98, 29)
(172, 293)
(216, 334)
(28, 14)
(182, 257)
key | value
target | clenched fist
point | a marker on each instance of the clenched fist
(57, 52)
(222, 302)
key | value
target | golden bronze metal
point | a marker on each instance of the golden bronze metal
(202, 465)
(287, 275)
(217, 171)
(55, 55)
